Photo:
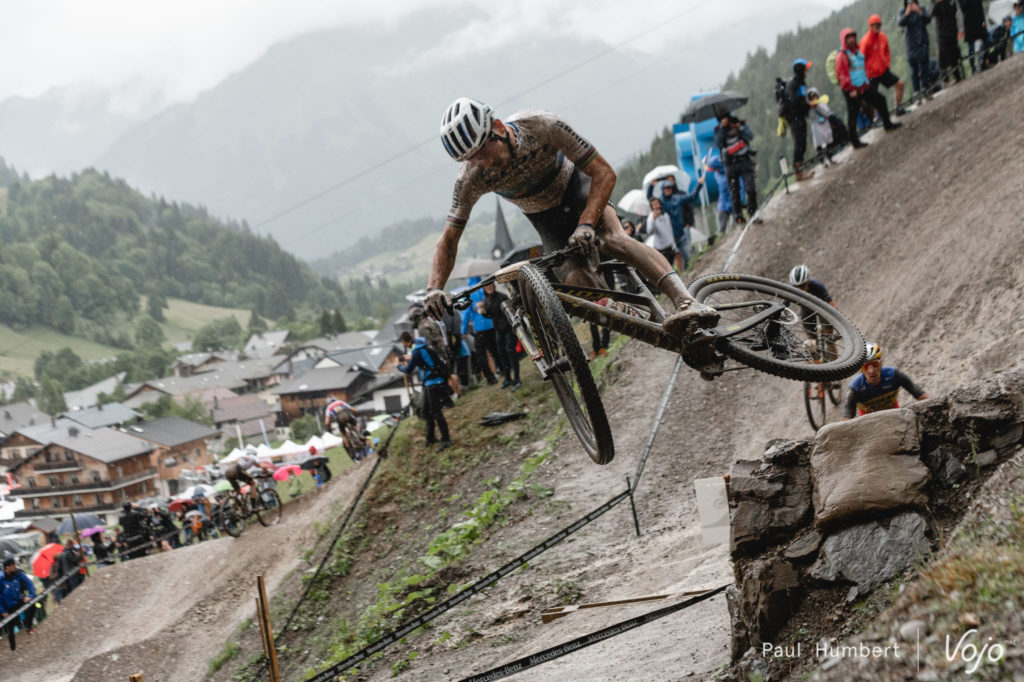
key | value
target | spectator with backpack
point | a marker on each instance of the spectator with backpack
(915, 20)
(853, 80)
(877, 59)
(733, 137)
(794, 108)
(484, 339)
(434, 371)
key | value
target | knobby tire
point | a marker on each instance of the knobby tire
(556, 339)
(814, 401)
(232, 518)
(268, 511)
(795, 363)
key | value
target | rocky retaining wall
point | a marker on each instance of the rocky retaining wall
(859, 504)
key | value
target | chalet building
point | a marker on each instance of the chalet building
(111, 414)
(243, 414)
(23, 442)
(265, 344)
(381, 358)
(85, 471)
(196, 363)
(178, 444)
(19, 415)
(308, 393)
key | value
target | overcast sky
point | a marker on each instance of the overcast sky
(161, 52)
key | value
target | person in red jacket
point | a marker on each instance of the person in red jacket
(854, 82)
(875, 48)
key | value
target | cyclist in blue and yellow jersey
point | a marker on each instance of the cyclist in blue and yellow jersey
(877, 386)
(558, 179)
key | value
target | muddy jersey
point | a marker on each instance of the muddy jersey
(547, 151)
(864, 398)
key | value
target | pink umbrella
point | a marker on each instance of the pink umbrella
(287, 470)
(92, 531)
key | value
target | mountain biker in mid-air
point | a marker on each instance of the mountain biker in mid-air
(557, 178)
(876, 387)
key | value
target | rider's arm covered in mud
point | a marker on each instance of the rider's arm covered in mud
(447, 248)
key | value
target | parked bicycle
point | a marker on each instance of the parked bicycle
(238, 508)
(762, 326)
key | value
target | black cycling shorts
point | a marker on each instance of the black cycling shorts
(235, 475)
(557, 224)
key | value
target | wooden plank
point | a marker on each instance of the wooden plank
(557, 612)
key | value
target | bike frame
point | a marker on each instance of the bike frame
(582, 302)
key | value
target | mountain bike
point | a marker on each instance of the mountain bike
(238, 508)
(815, 392)
(761, 327)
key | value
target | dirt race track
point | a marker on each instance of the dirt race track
(919, 238)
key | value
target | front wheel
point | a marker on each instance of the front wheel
(268, 509)
(232, 516)
(814, 401)
(568, 368)
(785, 343)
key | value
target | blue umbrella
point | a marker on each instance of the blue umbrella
(83, 521)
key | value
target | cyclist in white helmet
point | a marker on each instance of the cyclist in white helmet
(557, 178)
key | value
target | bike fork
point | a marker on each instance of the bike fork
(515, 318)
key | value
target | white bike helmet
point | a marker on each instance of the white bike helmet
(799, 275)
(465, 127)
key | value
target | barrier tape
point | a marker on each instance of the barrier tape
(477, 587)
(567, 648)
(38, 598)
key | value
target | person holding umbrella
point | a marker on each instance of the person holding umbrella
(13, 586)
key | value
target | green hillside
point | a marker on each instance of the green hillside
(78, 252)
(20, 346)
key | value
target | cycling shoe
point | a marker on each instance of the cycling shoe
(684, 321)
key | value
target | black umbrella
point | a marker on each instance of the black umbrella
(9, 548)
(312, 462)
(709, 107)
(82, 521)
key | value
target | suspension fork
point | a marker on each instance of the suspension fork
(513, 309)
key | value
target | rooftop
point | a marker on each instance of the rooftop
(171, 431)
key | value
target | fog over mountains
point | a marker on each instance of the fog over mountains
(323, 109)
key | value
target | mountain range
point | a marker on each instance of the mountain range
(331, 135)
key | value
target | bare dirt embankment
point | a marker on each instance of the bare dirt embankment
(919, 239)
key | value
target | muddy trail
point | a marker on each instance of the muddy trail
(918, 237)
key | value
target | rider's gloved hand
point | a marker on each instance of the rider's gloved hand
(437, 303)
(583, 237)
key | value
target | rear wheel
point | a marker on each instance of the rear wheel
(814, 401)
(569, 371)
(232, 516)
(268, 510)
(784, 344)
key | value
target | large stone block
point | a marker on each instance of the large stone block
(769, 591)
(871, 553)
(996, 399)
(863, 465)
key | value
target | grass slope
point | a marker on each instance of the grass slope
(19, 348)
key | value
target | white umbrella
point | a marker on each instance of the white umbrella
(661, 172)
(635, 201)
